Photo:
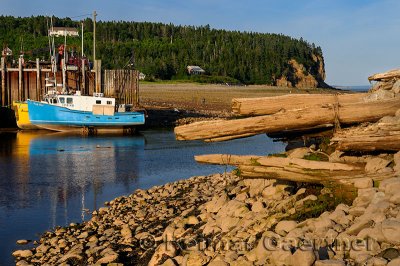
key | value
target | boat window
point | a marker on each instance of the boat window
(62, 100)
(98, 101)
(109, 102)
(55, 100)
(70, 100)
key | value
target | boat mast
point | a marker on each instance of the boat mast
(52, 82)
(82, 88)
(82, 39)
(94, 38)
(64, 63)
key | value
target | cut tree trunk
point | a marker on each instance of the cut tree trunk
(272, 105)
(309, 117)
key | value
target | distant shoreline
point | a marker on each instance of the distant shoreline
(363, 88)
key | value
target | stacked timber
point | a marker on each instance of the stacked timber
(300, 112)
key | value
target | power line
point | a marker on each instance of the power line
(84, 15)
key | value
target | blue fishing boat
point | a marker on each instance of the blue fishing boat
(65, 112)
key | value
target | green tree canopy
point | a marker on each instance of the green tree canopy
(164, 50)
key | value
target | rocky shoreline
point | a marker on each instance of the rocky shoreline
(337, 205)
(223, 219)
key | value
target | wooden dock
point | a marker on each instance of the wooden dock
(20, 83)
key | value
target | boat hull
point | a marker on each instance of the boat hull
(22, 116)
(59, 118)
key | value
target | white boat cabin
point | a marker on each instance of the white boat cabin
(79, 102)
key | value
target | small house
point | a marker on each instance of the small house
(195, 70)
(6, 52)
(142, 76)
(63, 31)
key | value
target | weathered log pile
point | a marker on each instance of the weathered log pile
(294, 119)
(376, 112)
(299, 112)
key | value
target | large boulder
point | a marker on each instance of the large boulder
(233, 208)
(363, 182)
(256, 186)
(303, 257)
(396, 157)
(227, 223)
(281, 257)
(391, 231)
(284, 227)
(364, 197)
(196, 258)
(217, 202)
(393, 187)
(167, 249)
(22, 253)
(329, 263)
(395, 262)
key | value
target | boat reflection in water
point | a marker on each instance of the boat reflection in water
(53, 179)
(77, 165)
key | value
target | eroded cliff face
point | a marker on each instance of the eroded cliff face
(298, 76)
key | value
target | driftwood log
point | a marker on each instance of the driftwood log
(349, 113)
(391, 74)
(272, 105)
(382, 136)
(289, 169)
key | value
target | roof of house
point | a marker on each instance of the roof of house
(60, 31)
(195, 68)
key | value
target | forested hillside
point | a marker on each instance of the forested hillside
(163, 51)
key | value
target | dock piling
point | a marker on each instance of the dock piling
(3, 82)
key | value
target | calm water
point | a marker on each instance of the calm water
(49, 179)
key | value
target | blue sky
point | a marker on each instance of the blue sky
(358, 37)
